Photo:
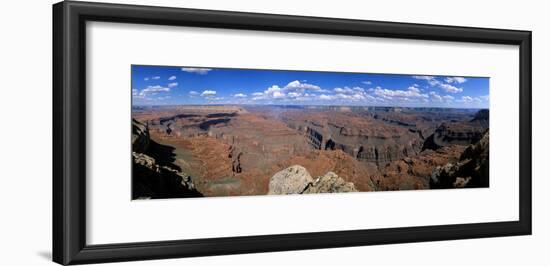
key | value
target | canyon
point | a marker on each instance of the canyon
(234, 150)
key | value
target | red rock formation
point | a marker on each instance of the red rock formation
(232, 151)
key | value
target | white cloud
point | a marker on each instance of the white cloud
(193, 93)
(435, 97)
(430, 79)
(156, 88)
(349, 90)
(149, 90)
(146, 79)
(433, 81)
(326, 97)
(301, 87)
(448, 97)
(450, 88)
(155, 77)
(350, 94)
(172, 85)
(208, 94)
(347, 94)
(458, 80)
(278, 94)
(294, 94)
(367, 82)
(468, 99)
(172, 78)
(201, 71)
(239, 95)
(411, 92)
(423, 77)
(294, 90)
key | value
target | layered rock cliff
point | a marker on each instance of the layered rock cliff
(297, 180)
(471, 171)
(458, 133)
(363, 137)
(153, 175)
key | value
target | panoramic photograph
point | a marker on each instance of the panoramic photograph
(209, 132)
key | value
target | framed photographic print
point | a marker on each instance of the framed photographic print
(184, 132)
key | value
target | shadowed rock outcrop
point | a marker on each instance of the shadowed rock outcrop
(153, 173)
(471, 171)
(297, 180)
(140, 137)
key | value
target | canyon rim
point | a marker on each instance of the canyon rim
(206, 132)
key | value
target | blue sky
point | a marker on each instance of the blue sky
(162, 85)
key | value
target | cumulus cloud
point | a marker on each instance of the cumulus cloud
(423, 77)
(293, 90)
(351, 94)
(430, 79)
(346, 94)
(211, 95)
(450, 88)
(172, 78)
(193, 93)
(172, 85)
(433, 81)
(326, 97)
(239, 95)
(208, 94)
(294, 94)
(200, 71)
(149, 90)
(435, 97)
(301, 87)
(458, 80)
(156, 88)
(448, 97)
(367, 82)
(155, 77)
(146, 79)
(469, 99)
(411, 92)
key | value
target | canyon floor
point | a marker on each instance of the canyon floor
(255, 150)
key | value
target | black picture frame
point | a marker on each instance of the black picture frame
(69, 132)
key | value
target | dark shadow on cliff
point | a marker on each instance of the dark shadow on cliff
(471, 171)
(164, 155)
(154, 174)
(160, 183)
